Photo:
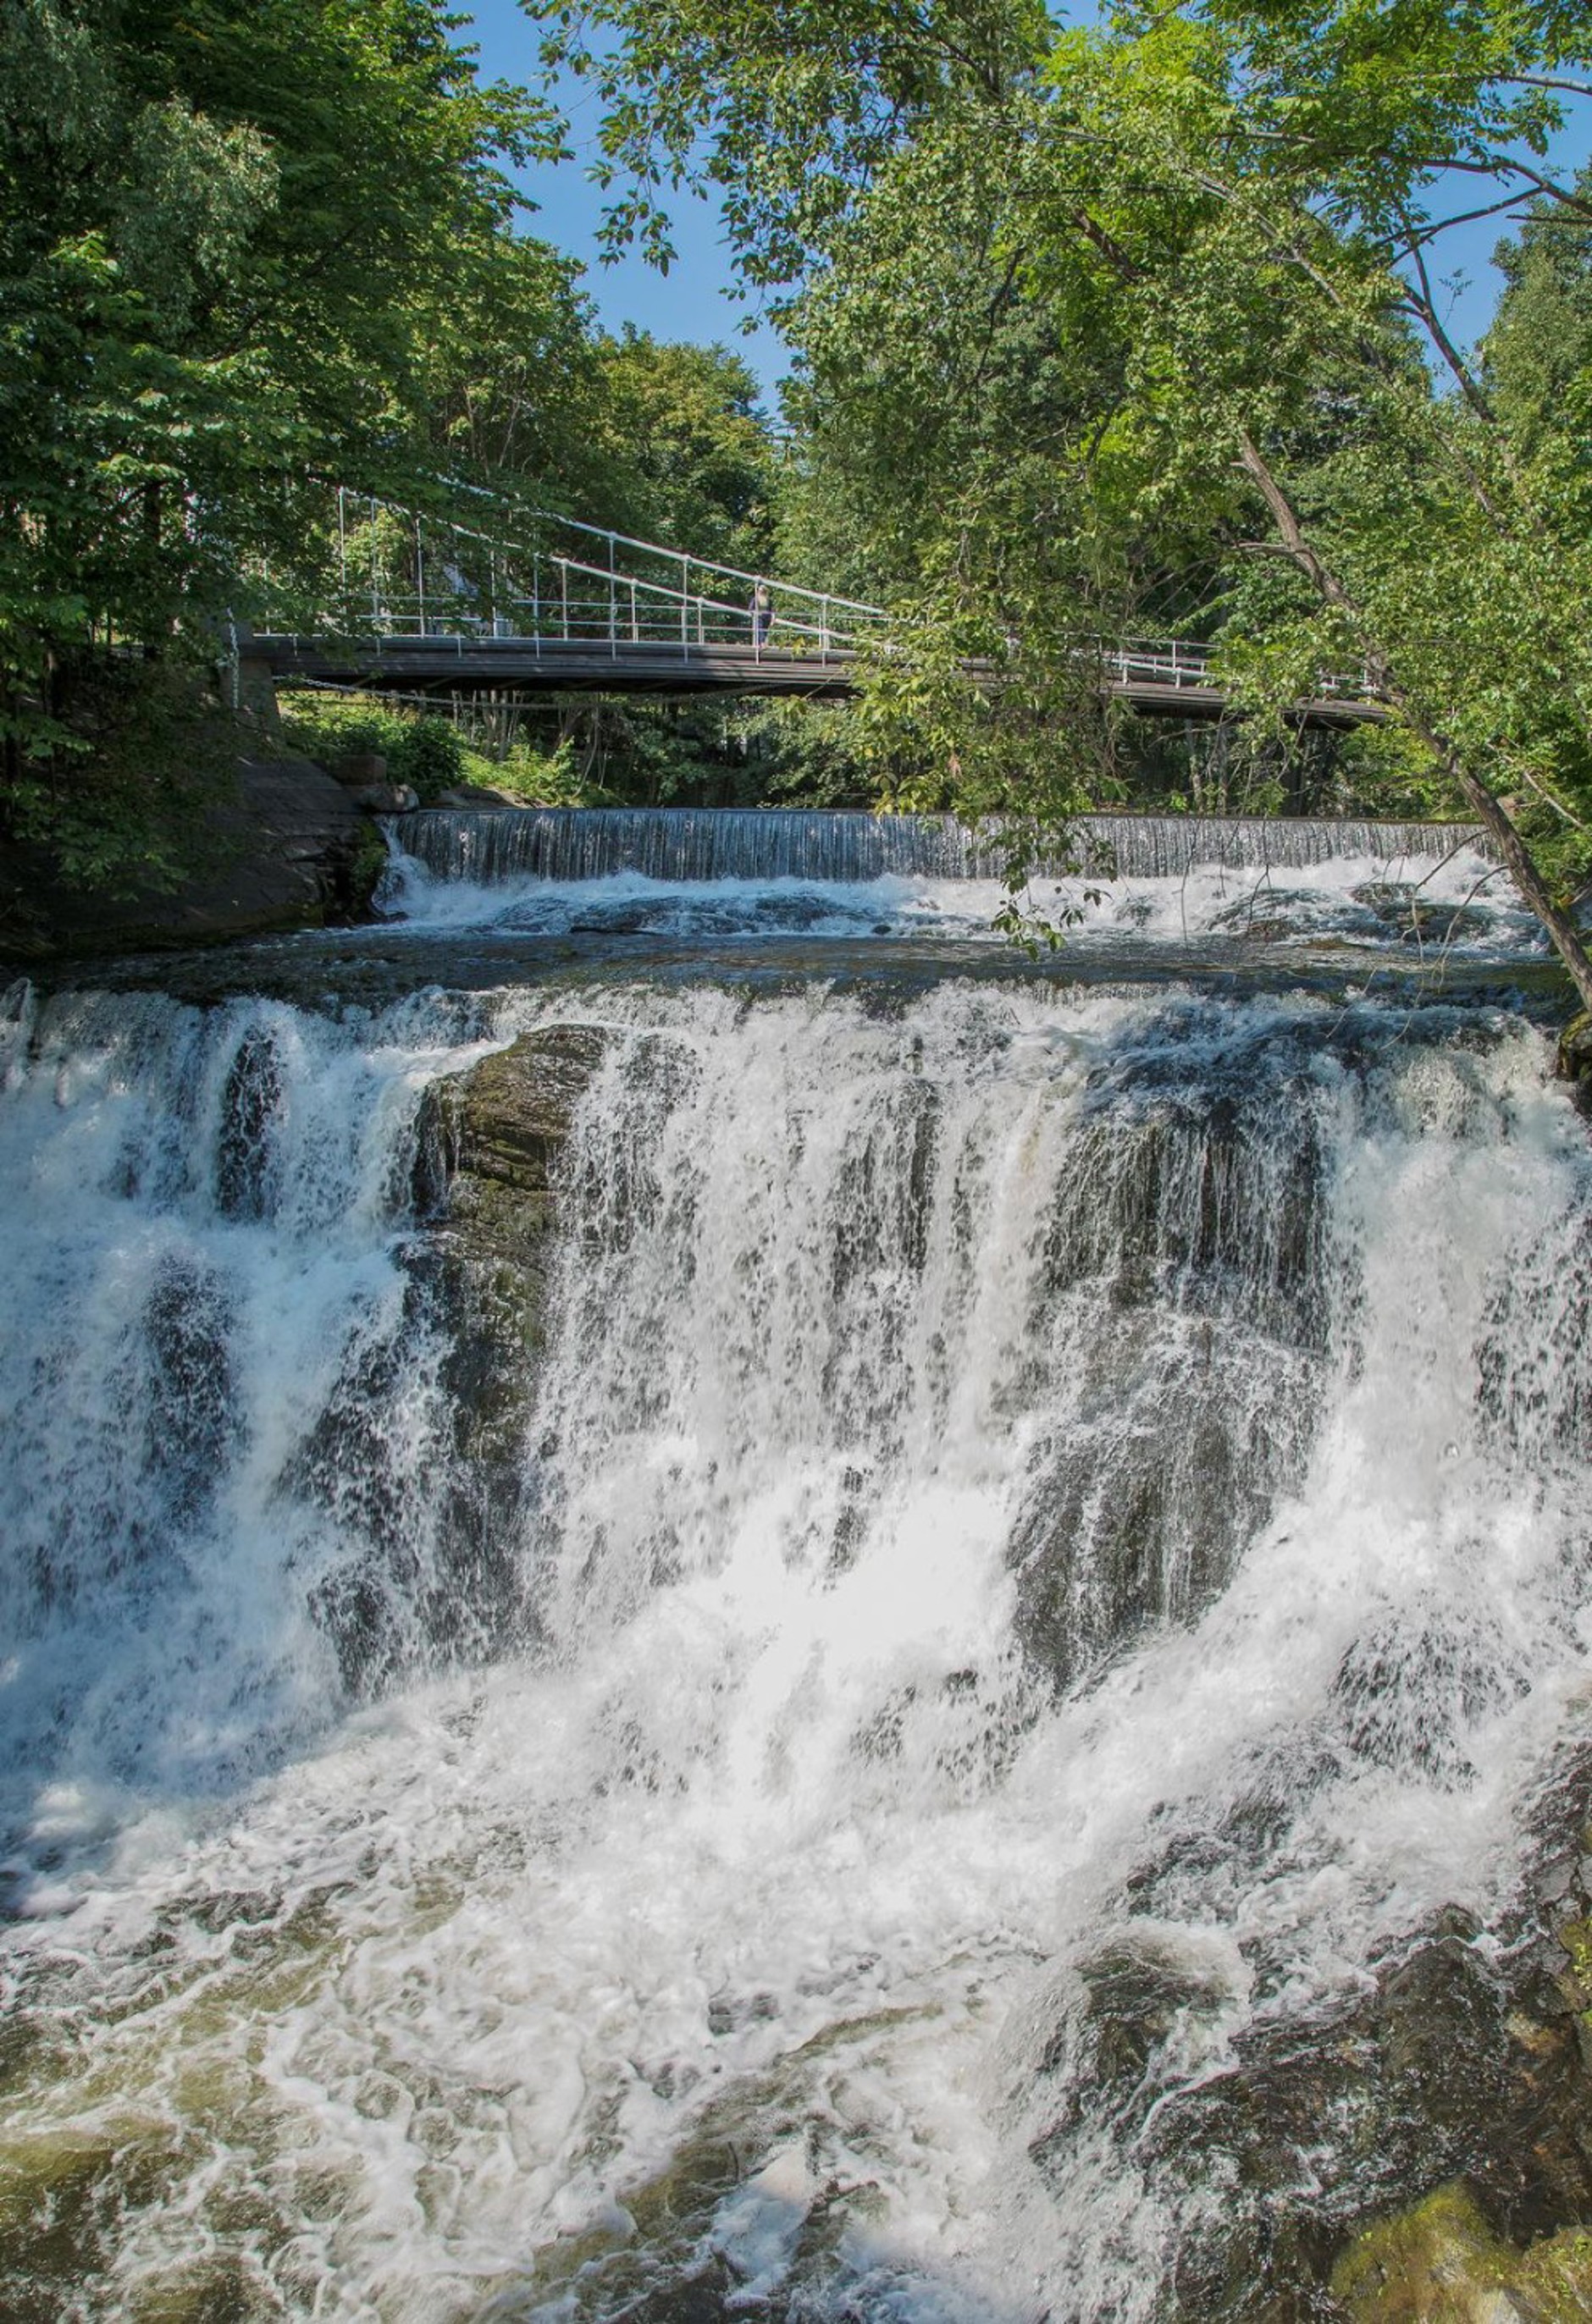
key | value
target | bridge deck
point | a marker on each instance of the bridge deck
(458, 664)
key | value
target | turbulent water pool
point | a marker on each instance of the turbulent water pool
(584, 1745)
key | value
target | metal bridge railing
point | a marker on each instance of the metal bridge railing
(395, 572)
(582, 604)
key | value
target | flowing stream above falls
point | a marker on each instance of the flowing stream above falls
(633, 1603)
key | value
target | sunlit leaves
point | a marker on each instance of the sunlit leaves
(235, 239)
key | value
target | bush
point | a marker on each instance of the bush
(429, 757)
(422, 751)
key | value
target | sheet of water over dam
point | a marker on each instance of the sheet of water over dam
(719, 1603)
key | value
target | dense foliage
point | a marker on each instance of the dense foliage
(1136, 326)
(234, 243)
(249, 248)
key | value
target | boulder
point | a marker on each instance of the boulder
(1419, 2154)
(386, 798)
(486, 1177)
(491, 1138)
(362, 770)
(488, 1167)
(1573, 1063)
(493, 1172)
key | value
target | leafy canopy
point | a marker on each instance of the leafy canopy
(1106, 326)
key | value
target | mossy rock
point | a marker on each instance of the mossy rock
(490, 1141)
(1573, 1063)
(486, 1177)
(367, 860)
(1441, 2264)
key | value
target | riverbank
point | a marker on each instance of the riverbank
(291, 849)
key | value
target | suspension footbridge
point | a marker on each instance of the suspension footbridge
(426, 605)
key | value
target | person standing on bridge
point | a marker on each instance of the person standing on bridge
(762, 614)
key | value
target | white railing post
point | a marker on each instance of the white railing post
(564, 599)
(685, 603)
(420, 572)
(375, 576)
(613, 605)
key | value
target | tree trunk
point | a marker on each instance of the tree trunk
(1487, 809)
(1490, 813)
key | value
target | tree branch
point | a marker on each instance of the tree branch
(1483, 803)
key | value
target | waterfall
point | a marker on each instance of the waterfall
(675, 1653)
(485, 845)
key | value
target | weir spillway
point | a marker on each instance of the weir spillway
(680, 1649)
(563, 844)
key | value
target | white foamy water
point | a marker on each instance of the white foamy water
(1429, 906)
(983, 1445)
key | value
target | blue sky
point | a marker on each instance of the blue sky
(694, 300)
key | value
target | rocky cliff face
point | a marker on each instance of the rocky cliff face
(291, 849)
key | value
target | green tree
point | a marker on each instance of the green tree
(232, 238)
(1538, 353)
(1223, 217)
(691, 461)
(785, 114)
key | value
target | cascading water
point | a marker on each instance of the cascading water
(1029, 1533)
(766, 875)
(838, 845)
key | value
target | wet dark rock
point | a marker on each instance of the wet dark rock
(1405, 2155)
(374, 1605)
(1134, 1997)
(1372, 1711)
(1267, 915)
(444, 1387)
(1400, 908)
(883, 1195)
(490, 1141)
(1138, 1512)
(619, 920)
(1196, 1870)
(1442, 924)
(710, 2294)
(192, 1425)
(1193, 1233)
(251, 1106)
(1535, 1395)
(1573, 1062)
(1200, 1203)
(489, 1164)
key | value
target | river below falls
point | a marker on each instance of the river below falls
(605, 1777)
